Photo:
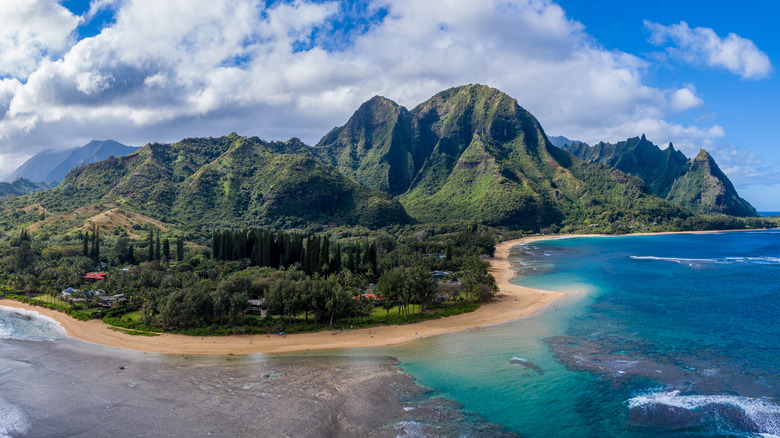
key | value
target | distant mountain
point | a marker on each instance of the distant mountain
(561, 141)
(472, 153)
(53, 165)
(226, 181)
(697, 184)
(22, 186)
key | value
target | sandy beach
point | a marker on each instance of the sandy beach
(511, 302)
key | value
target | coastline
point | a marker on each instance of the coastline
(512, 302)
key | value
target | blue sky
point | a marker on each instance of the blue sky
(698, 74)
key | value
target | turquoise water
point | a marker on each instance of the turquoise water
(673, 335)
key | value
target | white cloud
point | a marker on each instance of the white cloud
(31, 31)
(685, 99)
(164, 70)
(702, 45)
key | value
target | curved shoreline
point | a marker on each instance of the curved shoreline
(510, 303)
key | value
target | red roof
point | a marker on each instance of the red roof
(96, 275)
(370, 297)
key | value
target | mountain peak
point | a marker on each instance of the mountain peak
(696, 184)
(703, 155)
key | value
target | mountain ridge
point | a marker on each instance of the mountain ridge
(469, 154)
(53, 165)
(697, 184)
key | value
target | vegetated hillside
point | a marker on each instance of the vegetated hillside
(52, 165)
(472, 153)
(706, 189)
(22, 186)
(375, 147)
(698, 184)
(227, 181)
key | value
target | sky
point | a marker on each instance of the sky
(697, 74)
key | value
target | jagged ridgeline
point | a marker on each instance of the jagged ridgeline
(697, 184)
(472, 153)
(469, 154)
(227, 181)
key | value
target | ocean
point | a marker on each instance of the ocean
(661, 336)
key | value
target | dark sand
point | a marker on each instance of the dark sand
(71, 388)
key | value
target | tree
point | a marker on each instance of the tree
(166, 249)
(157, 247)
(179, 248)
(421, 285)
(95, 242)
(392, 285)
(24, 257)
(151, 244)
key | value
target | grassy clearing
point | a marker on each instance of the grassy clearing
(51, 300)
(133, 332)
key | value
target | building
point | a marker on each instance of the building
(91, 277)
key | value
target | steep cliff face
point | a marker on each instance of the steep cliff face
(471, 153)
(374, 147)
(705, 188)
(697, 184)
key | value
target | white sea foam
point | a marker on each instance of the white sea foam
(748, 260)
(763, 413)
(14, 421)
(518, 359)
(28, 325)
(411, 429)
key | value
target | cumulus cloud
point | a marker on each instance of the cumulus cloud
(685, 99)
(164, 70)
(702, 46)
(31, 31)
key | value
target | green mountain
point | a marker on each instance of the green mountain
(22, 186)
(227, 181)
(698, 184)
(472, 153)
(705, 188)
(375, 147)
(468, 154)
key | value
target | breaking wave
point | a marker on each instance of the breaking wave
(28, 325)
(747, 260)
(733, 414)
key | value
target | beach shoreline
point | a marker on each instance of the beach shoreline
(510, 303)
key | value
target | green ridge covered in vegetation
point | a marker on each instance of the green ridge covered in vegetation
(225, 181)
(697, 185)
(472, 153)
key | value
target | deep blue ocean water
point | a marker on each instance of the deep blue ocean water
(661, 336)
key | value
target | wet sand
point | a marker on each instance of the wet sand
(69, 388)
(510, 303)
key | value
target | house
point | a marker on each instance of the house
(67, 294)
(112, 300)
(91, 277)
(257, 306)
(439, 275)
